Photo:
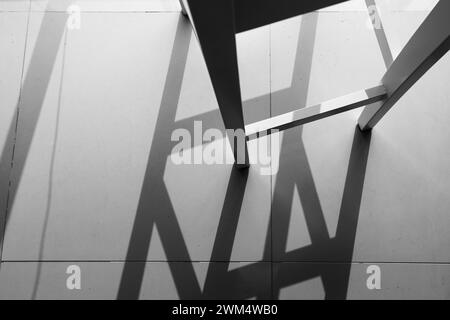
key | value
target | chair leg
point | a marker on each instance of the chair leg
(214, 26)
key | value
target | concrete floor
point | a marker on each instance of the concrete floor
(86, 117)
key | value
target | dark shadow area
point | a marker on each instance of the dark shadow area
(220, 283)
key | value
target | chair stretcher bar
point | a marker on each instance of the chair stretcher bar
(326, 109)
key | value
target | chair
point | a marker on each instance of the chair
(216, 22)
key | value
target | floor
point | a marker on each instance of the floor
(86, 176)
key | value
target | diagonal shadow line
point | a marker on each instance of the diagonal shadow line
(29, 106)
(344, 241)
(217, 275)
(156, 211)
(50, 177)
(155, 208)
(229, 218)
(309, 198)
